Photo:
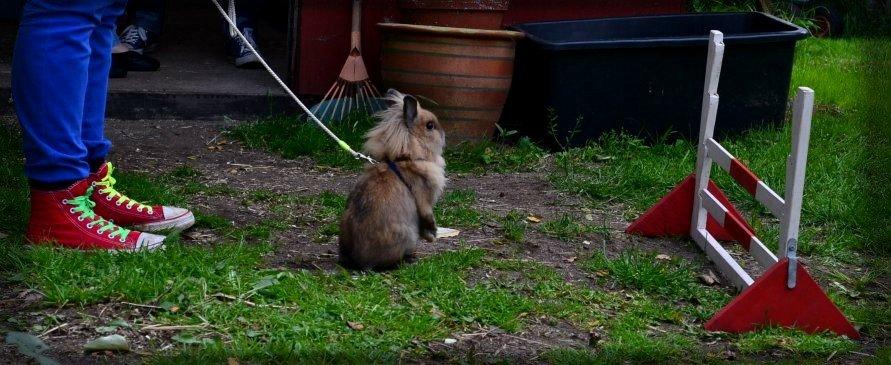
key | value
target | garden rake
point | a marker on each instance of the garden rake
(353, 90)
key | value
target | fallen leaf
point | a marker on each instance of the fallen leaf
(601, 273)
(570, 259)
(113, 326)
(355, 326)
(450, 341)
(589, 217)
(232, 361)
(533, 219)
(603, 157)
(663, 256)
(170, 307)
(108, 343)
(265, 282)
(709, 278)
(442, 232)
(586, 242)
(436, 313)
(28, 344)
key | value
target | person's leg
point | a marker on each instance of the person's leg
(110, 203)
(147, 17)
(101, 42)
(246, 19)
(51, 67)
(246, 13)
(148, 14)
(49, 81)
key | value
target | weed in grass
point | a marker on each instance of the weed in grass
(513, 227)
(481, 157)
(211, 221)
(796, 342)
(455, 209)
(565, 228)
(636, 270)
(326, 210)
(294, 138)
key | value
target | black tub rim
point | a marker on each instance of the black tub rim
(796, 33)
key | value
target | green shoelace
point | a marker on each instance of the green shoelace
(84, 206)
(107, 185)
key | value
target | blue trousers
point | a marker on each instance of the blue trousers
(60, 71)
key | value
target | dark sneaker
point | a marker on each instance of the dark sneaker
(244, 58)
(138, 39)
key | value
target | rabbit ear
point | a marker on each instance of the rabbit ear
(392, 93)
(409, 110)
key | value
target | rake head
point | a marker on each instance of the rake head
(353, 91)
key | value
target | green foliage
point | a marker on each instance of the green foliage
(566, 227)
(293, 137)
(455, 209)
(513, 226)
(636, 270)
(495, 157)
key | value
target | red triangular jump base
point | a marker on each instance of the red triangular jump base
(671, 215)
(768, 302)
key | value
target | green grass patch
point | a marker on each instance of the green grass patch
(567, 227)
(480, 157)
(455, 209)
(643, 271)
(795, 342)
(293, 137)
(513, 226)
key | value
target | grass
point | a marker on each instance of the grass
(455, 209)
(513, 226)
(642, 308)
(292, 137)
(567, 228)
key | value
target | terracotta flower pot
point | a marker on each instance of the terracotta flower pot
(466, 72)
(477, 14)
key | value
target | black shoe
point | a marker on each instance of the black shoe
(242, 55)
(139, 62)
(118, 66)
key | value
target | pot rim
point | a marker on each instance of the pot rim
(452, 31)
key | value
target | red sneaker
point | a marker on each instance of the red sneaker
(66, 218)
(122, 210)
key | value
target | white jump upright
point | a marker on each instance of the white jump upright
(785, 294)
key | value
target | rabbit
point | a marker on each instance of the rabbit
(391, 207)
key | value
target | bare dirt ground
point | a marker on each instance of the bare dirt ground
(160, 146)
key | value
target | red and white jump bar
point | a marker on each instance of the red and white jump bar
(786, 295)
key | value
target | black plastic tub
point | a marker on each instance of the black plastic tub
(645, 75)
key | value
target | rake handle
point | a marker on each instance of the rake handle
(355, 34)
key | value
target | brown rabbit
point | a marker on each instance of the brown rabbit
(391, 207)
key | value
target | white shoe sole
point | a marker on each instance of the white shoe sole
(168, 225)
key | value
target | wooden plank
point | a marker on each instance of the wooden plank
(707, 127)
(802, 112)
(767, 197)
(719, 154)
(714, 207)
(725, 263)
(761, 253)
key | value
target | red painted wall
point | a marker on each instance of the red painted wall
(325, 28)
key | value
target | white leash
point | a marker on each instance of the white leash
(233, 27)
